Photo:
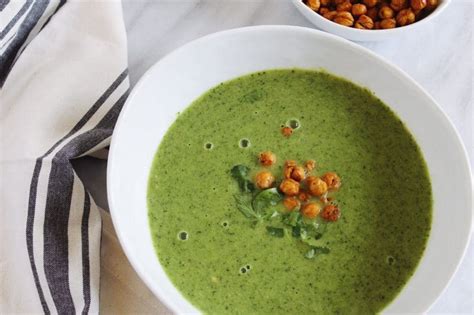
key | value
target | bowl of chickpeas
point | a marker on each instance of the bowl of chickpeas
(369, 20)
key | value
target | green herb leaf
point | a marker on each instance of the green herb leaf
(266, 198)
(245, 206)
(240, 174)
(277, 232)
(315, 251)
(293, 219)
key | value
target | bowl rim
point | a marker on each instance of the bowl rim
(110, 195)
(351, 31)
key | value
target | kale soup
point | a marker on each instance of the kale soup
(289, 192)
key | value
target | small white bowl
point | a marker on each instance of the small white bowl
(178, 79)
(364, 35)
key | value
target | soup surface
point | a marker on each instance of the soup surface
(222, 262)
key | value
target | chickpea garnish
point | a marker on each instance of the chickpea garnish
(267, 158)
(372, 13)
(344, 18)
(291, 203)
(331, 213)
(316, 186)
(405, 17)
(310, 210)
(323, 11)
(286, 131)
(388, 23)
(290, 163)
(330, 15)
(290, 187)
(345, 6)
(303, 196)
(359, 9)
(336, 2)
(397, 5)
(431, 4)
(370, 3)
(310, 165)
(364, 22)
(314, 4)
(326, 3)
(264, 179)
(386, 12)
(418, 4)
(332, 180)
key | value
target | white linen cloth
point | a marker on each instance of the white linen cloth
(64, 79)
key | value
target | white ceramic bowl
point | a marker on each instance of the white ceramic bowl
(176, 80)
(365, 35)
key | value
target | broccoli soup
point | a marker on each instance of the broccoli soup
(289, 192)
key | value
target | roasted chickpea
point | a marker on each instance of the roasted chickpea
(332, 180)
(290, 187)
(345, 6)
(291, 203)
(336, 2)
(344, 18)
(264, 179)
(326, 3)
(286, 131)
(303, 196)
(370, 3)
(359, 9)
(267, 158)
(310, 165)
(388, 23)
(316, 186)
(386, 12)
(313, 4)
(431, 4)
(330, 15)
(331, 213)
(405, 17)
(364, 22)
(398, 5)
(418, 4)
(372, 13)
(323, 11)
(377, 25)
(310, 210)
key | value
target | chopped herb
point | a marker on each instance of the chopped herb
(277, 232)
(266, 198)
(240, 174)
(245, 206)
(315, 251)
(293, 218)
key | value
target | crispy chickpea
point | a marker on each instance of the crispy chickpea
(310, 210)
(330, 15)
(331, 213)
(290, 163)
(431, 4)
(418, 4)
(264, 179)
(267, 158)
(332, 180)
(386, 12)
(359, 9)
(298, 174)
(326, 3)
(304, 196)
(323, 11)
(345, 6)
(316, 186)
(344, 18)
(372, 13)
(310, 165)
(336, 2)
(290, 187)
(364, 22)
(398, 5)
(377, 25)
(405, 17)
(286, 131)
(313, 4)
(291, 203)
(370, 3)
(388, 23)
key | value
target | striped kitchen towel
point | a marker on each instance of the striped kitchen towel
(63, 81)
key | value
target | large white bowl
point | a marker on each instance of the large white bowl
(366, 35)
(176, 80)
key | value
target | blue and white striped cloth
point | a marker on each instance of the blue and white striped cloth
(63, 81)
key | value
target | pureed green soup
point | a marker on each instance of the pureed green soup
(224, 262)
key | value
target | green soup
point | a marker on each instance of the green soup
(227, 264)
